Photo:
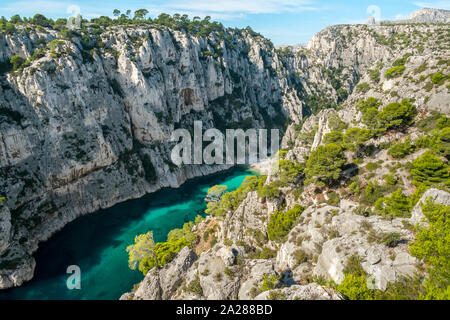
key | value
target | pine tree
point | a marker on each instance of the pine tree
(430, 170)
(325, 164)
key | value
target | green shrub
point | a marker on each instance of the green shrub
(394, 72)
(270, 192)
(281, 223)
(325, 164)
(277, 295)
(232, 200)
(372, 166)
(363, 87)
(374, 75)
(439, 78)
(17, 62)
(355, 288)
(401, 150)
(395, 206)
(406, 288)
(269, 282)
(398, 115)
(390, 239)
(164, 252)
(335, 123)
(289, 171)
(333, 199)
(391, 179)
(432, 245)
(354, 285)
(355, 188)
(421, 68)
(430, 170)
(195, 287)
(335, 137)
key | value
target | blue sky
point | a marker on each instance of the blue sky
(282, 21)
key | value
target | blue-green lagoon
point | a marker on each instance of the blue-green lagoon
(97, 242)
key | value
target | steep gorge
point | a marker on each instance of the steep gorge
(87, 123)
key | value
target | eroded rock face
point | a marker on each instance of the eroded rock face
(82, 131)
(5, 228)
(383, 262)
(17, 266)
(162, 283)
(429, 15)
(306, 292)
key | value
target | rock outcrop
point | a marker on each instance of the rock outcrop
(429, 15)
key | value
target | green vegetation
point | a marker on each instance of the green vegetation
(335, 123)
(335, 137)
(398, 115)
(439, 78)
(393, 116)
(355, 138)
(269, 192)
(195, 287)
(432, 245)
(325, 164)
(395, 206)
(269, 282)
(401, 150)
(281, 223)
(215, 193)
(146, 254)
(398, 67)
(363, 87)
(17, 62)
(354, 285)
(374, 75)
(394, 72)
(372, 166)
(289, 172)
(232, 200)
(430, 170)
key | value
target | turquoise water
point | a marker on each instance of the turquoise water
(97, 242)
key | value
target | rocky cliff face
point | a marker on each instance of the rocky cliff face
(338, 223)
(87, 122)
(429, 15)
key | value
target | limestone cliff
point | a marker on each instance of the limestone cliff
(86, 122)
(349, 64)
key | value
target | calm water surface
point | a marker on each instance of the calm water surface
(97, 242)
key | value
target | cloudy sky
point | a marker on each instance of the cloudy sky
(283, 21)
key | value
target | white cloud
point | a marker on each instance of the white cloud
(217, 9)
(434, 4)
(232, 9)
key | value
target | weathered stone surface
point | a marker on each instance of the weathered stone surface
(257, 270)
(383, 263)
(5, 228)
(162, 283)
(306, 292)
